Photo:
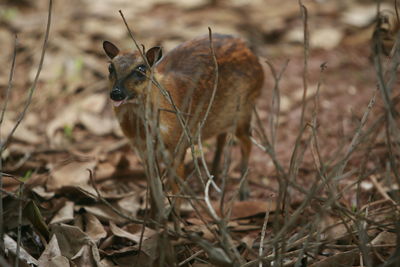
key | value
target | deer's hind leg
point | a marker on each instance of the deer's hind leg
(243, 135)
(221, 140)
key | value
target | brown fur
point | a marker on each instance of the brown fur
(188, 73)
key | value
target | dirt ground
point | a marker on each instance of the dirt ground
(70, 127)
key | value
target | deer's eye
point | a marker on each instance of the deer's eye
(139, 72)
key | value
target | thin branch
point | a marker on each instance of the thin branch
(264, 229)
(33, 87)
(304, 13)
(20, 205)
(215, 80)
(10, 80)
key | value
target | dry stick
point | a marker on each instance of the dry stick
(20, 204)
(264, 229)
(377, 52)
(304, 13)
(319, 165)
(276, 103)
(211, 210)
(108, 204)
(203, 161)
(227, 240)
(391, 127)
(227, 163)
(32, 89)
(229, 247)
(10, 84)
(215, 85)
(294, 159)
(156, 190)
(134, 40)
(5, 143)
(143, 228)
(210, 103)
(10, 80)
(155, 182)
(201, 251)
(338, 170)
(183, 123)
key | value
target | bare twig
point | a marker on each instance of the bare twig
(216, 76)
(20, 205)
(33, 87)
(141, 51)
(276, 103)
(4, 143)
(264, 228)
(10, 82)
(108, 204)
(304, 13)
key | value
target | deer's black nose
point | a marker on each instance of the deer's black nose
(116, 94)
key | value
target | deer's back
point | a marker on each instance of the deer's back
(188, 73)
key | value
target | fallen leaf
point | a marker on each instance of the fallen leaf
(76, 245)
(130, 205)
(11, 246)
(339, 259)
(245, 209)
(73, 114)
(65, 214)
(96, 124)
(73, 173)
(41, 191)
(51, 256)
(22, 133)
(94, 228)
(104, 213)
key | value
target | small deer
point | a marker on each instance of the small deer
(189, 74)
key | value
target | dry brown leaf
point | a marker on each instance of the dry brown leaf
(73, 114)
(87, 256)
(51, 256)
(130, 205)
(94, 228)
(104, 213)
(71, 174)
(245, 209)
(340, 259)
(96, 124)
(23, 133)
(133, 236)
(65, 214)
(41, 191)
(384, 238)
(202, 230)
(11, 246)
(76, 245)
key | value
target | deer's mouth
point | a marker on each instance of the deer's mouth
(127, 100)
(120, 97)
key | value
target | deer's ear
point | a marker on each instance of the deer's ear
(110, 49)
(153, 55)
